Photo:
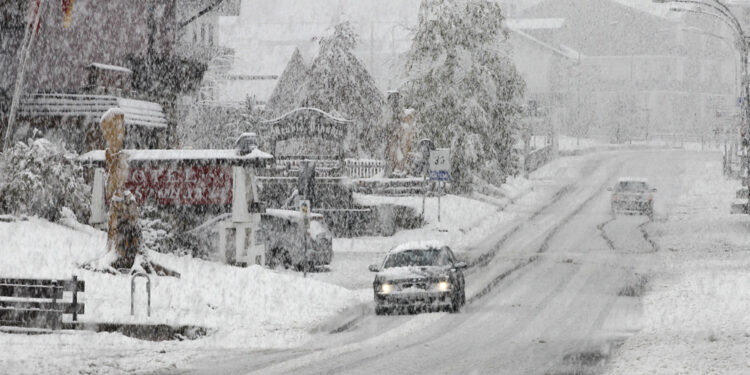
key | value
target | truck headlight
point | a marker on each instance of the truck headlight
(444, 286)
(386, 288)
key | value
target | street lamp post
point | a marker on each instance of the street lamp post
(723, 13)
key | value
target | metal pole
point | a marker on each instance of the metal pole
(305, 224)
(424, 193)
(23, 62)
(440, 193)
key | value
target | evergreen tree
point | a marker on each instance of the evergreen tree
(288, 92)
(465, 88)
(339, 82)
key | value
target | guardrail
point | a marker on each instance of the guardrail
(537, 158)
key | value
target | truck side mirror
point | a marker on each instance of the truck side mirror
(374, 268)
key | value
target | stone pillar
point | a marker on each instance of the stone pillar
(245, 223)
(98, 204)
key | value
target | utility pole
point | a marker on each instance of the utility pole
(29, 37)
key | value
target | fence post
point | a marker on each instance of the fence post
(75, 298)
(54, 304)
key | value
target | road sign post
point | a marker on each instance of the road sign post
(440, 169)
(304, 209)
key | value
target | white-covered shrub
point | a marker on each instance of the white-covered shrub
(39, 178)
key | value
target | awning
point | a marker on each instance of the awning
(137, 112)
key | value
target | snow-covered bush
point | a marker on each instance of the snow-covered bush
(157, 233)
(40, 178)
(465, 88)
(161, 234)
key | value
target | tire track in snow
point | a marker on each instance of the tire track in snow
(349, 321)
(603, 233)
(545, 243)
(485, 258)
(646, 236)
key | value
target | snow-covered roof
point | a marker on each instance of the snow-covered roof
(324, 113)
(176, 155)
(563, 51)
(111, 67)
(290, 214)
(632, 179)
(417, 245)
(650, 7)
(137, 112)
(534, 23)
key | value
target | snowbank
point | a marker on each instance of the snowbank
(696, 314)
(242, 306)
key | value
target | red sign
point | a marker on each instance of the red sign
(182, 185)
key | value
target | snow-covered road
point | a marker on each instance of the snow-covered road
(560, 294)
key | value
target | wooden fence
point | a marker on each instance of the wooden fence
(364, 168)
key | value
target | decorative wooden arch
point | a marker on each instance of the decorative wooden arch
(310, 123)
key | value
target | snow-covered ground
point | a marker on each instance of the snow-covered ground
(696, 318)
(466, 223)
(251, 308)
(568, 143)
(244, 308)
(255, 308)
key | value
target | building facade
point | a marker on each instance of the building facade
(638, 75)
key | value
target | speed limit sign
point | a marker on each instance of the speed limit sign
(304, 207)
(440, 164)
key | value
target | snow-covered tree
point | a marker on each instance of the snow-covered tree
(40, 178)
(339, 82)
(288, 92)
(465, 87)
(579, 120)
(213, 127)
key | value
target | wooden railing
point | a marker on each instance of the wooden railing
(364, 168)
(354, 168)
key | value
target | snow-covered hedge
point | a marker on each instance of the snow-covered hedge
(39, 178)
